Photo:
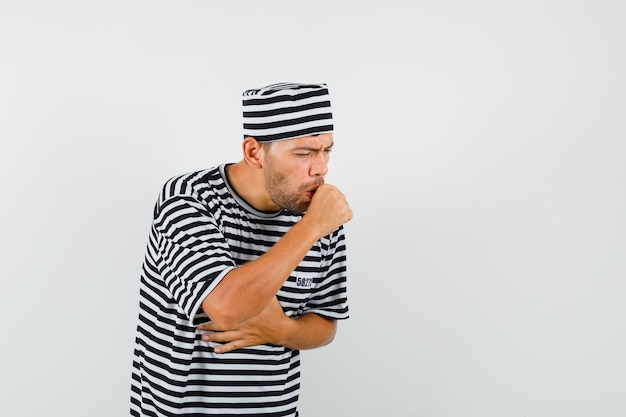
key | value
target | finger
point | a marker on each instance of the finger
(228, 347)
(219, 337)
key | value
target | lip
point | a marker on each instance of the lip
(310, 192)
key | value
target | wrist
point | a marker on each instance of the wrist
(308, 230)
(285, 331)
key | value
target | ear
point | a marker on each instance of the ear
(252, 152)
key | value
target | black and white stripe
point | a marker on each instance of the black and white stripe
(201, 230)
(286, 111)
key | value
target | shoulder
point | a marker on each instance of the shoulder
(198, 188)
(191, 184)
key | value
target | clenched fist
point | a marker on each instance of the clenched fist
(328, 210)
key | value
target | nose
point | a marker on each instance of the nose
(319, 164)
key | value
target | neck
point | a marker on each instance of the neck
(249, 183)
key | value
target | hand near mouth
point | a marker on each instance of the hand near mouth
(328, 210)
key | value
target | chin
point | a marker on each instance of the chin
(298, 209)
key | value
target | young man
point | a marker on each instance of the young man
(245, 266)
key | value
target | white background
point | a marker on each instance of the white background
(481, 145)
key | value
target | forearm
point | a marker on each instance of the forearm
(309, 331)
(245, 291)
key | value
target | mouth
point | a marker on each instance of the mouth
(310, 192)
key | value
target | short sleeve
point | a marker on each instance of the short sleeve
(330, 298)
(195, 255)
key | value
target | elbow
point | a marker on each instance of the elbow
(332, 333)
(221, 315)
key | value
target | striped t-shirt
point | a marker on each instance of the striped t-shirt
(201, 230)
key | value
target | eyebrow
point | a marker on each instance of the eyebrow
(310, 148)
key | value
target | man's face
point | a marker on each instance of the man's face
(294, 169)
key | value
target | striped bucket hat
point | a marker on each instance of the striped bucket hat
(286, 111)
